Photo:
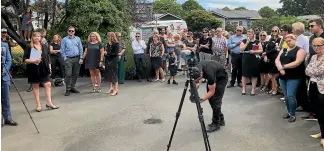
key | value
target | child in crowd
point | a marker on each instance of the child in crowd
(173, 69)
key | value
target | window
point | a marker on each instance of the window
(236, 23)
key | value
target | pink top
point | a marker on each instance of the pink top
(315, 70)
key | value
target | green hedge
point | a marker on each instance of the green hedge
(18, 67)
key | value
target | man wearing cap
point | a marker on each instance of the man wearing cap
(217, 78)
(6, 62)
(5, 38)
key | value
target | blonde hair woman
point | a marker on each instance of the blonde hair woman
(56, 59)
(121, 59)
(39, 70)
(111, 61)
(264, 62)
(250, 48)
(93, 54)
(315, 70)
(156, 53)
(289, 63)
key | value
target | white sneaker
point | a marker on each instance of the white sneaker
(282, 99)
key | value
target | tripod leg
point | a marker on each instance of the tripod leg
(21, 98)
(178, 113)
(203, 126)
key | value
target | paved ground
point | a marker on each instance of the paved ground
(97, 122)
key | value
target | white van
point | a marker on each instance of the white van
(146, 30)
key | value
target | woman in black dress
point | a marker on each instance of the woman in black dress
(39, 70)
(156, 53)
(251, 48)
(272, 52)
(111, 61)
(94, 53)
(264, 61)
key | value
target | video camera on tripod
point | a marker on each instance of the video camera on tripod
(193, 73)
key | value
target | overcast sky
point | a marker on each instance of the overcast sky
(250, 4)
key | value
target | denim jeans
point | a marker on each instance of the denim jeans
(5, 99)
(289, 88)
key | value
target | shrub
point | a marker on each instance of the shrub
(18, 67)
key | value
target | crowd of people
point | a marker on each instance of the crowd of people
(287, 60)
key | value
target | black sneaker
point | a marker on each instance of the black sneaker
(10, 122)
(174, 82)
(222, 123)
(230, 86)
(73, 90)
(286, 116)
(292, 119)
(168, 82)
(213, 128)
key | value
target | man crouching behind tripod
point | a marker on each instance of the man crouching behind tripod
(5, 84)
(217, 79)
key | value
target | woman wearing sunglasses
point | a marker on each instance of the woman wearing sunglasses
(315, 70)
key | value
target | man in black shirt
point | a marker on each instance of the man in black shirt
(217, 78)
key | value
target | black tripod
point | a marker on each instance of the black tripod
(194, 98)
(3, 66)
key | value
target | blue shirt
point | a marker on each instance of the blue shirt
(303, 42)
(71, 47)
(232, 43)
(6, 59)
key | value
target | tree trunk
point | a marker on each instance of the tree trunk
(53, 13)
(46, 20)
(13, 34)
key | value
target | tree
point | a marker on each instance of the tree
(267, 12)
(191, 5)
(316, 7)
(199, 19)
(97, 15)
(226, 9)
(266, 24)
(168, 6)
(240, 8)
(294, 7)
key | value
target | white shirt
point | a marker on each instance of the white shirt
(138, 46)
(303, 42)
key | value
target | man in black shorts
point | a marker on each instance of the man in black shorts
(217, 78)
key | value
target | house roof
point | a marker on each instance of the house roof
(159, 16)
(247, 14)
(309, 17)
(250, 13)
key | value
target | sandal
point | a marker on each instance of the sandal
(110, 91)
(274, 92)
(269, 92)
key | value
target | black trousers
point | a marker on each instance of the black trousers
(57, 62)
(317, 100)
(301, 96)
(216, 101)
(141, 68)
(236, 68)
